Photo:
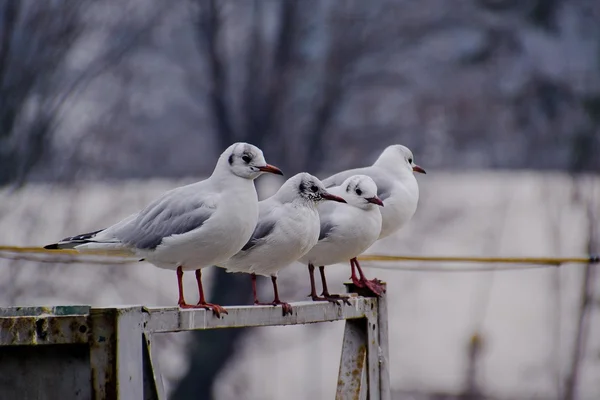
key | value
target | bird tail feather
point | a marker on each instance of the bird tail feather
(87, 243)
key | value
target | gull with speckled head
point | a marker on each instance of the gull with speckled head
(190, 227)
(288, 227)
(346, 230)
(393, 173)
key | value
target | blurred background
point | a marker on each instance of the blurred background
(105, 105)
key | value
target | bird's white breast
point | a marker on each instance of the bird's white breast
(295, 233)
(355, 231)
(400, 206)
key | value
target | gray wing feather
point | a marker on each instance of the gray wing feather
(326, 229)
(384, 185)
(262, 230)
(340, 177)
(165, 217)
(384, 188)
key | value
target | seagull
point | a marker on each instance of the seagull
(346, 230)
(190, 227)
(393, 172)
(288, 227)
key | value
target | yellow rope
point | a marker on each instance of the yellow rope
(41, 250)
(552, 261)
(503, 260)
(460, 268)
(65, 260)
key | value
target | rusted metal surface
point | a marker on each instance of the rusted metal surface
(44, 353)
(384, 349)
(43, 330)
(105, 353)
(103, 344)
(373, 370)
(352, 382)
(307, 312)
(43, 325)
(37, 311)
(130, 355)
(116, 355)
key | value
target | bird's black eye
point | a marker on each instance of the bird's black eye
(246, 158)
(358, 191)
(410, 160)
(314, 188)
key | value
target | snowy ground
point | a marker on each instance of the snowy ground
(526, 319)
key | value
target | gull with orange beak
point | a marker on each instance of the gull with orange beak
(288, 227)
(190, 227)
(346, 230)
(393, 173)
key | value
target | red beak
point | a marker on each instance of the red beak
(416, 168)
(375, 200)
(271, 168)
(333, 197)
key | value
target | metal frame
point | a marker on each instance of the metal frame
(117, 355)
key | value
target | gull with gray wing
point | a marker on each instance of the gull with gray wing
(393, 173)
(190, 227)
(346, 230)
(288, 227)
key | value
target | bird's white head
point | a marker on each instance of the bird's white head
(246, 161)
(306, 187)
(398, 158)
(361, 192)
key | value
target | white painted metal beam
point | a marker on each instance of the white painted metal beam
(306, 312)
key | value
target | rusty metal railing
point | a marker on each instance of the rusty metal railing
(105, 353)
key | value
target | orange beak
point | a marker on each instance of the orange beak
(271, 169)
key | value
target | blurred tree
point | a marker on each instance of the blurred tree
(35, 40)
(275, 72)
(282, 84)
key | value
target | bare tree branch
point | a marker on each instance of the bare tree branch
(10, 14)
(345, 47)
(262, 102)
(278, 84)
(208, 24)
(253, 95)
(36, 38)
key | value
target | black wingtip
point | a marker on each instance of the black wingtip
(53, 246)
(594, 259)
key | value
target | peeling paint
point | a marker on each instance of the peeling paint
(41, 330)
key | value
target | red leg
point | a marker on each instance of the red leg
(353, 277)
(323, 281)
(181, 302)
(313, 289)
(334, 298)
(374, 286)
(217, 309)
(286, 307)
(253, 277)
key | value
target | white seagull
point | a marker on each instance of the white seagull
(190, 227)
(346, 231)
(393, 172)
(288, 227)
